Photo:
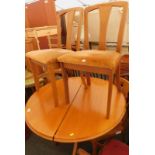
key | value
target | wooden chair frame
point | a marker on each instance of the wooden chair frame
(70, 13)
(104, 10)
(49, 67)
(107, 71)
(88, 69)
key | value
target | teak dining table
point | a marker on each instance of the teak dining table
(83, 119)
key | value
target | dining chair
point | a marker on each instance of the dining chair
(124, 66)
(30, 44)
(103, 58)
(47, 58)
(105, 17)
(90, 62)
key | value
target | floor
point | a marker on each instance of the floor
(35, 145)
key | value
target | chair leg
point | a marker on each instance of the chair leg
(88, 79)
(51, 77)
(83, 80)
(109, 94)
(35, 73)
(65, 80)
(74, 148)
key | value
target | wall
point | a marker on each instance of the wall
(93, 23)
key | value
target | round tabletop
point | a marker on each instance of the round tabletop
(81, 120)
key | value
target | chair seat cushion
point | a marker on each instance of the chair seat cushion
(115, 147)
(97, 58)
(47, 55)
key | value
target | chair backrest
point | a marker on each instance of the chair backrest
(104, 14)
(70, 16)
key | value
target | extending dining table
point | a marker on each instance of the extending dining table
(83, 119)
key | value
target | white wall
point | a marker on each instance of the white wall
(113, 25)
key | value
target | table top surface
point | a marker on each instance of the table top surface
(81, 120)
(41, 115)
(41, 31)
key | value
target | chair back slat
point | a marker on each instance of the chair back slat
(104, 16)
(59, 31)
(121, 28)
(70, 18)
(70, 15)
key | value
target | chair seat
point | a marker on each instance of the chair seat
(47, 55)
(115, 147)
(97, 58)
